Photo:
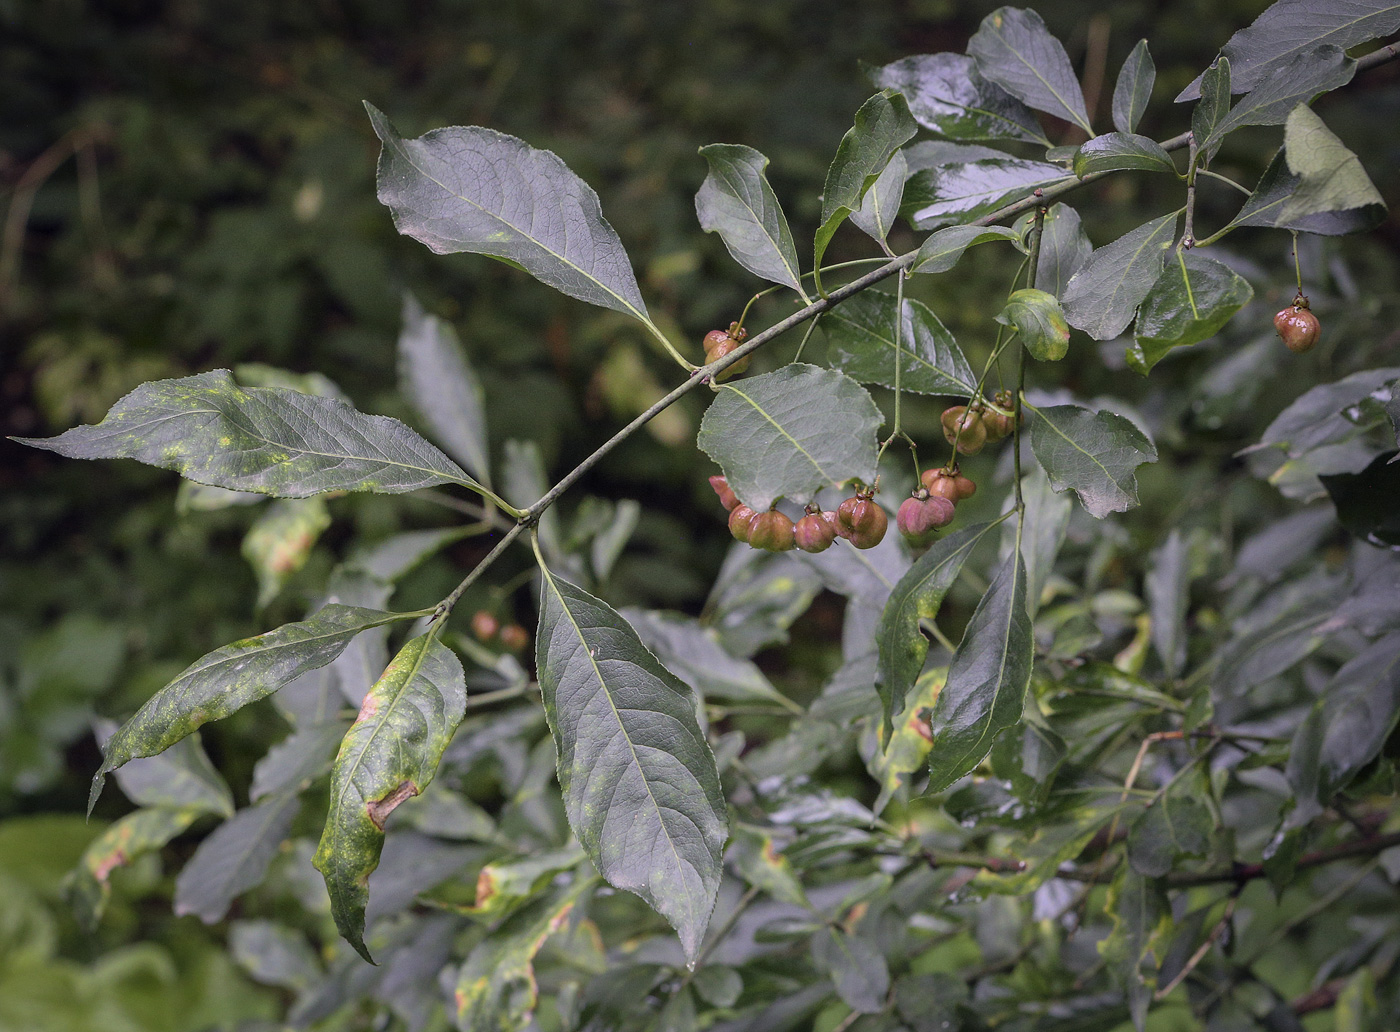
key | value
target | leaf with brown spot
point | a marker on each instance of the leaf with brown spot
(391, 752)
(89, 885)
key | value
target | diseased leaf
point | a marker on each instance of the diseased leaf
(1330, 176)
(1015, 50)
(882, 125)
(861, 343)
(918, 596)
(389, 754)
(856, 966)
(503, 886)
(1039, 320)
(278, 544)
(229, 678)
(1112, 152)
(1290, 27)
(1134, 88)
(694, 654)
(640, 786)
(465, 188)
(878, 210)
(1300, 80)
(176, 778)
(788, 433)
(89, 887)
(1101, 297)
(946, 94)
(736, 202)
(959, 192)
(900, 748)
(1138, 908)
(234, 858)
(1095, 453)
(262, 439)
(1063, 248)
(1192, 299)
(1276, 187)
(1175, 826)
(941, 251)
(436, 377)
(752, 854)
(987, 679)
(496, 989)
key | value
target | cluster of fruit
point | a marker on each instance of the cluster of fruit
(933, 504)
(719, 343)
(971, 427)
(859, 519)
(486, 628)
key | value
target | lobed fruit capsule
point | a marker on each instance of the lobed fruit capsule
(719, 343)
(863, 520)
(739, 519)
(727, 497)
(1297, 326)
(772, 531)
(814, 532)
(964, 427)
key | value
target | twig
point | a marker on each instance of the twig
(1164, 991)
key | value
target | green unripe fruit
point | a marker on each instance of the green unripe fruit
(739, 519)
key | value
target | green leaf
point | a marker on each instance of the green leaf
(861, 343)
(1300, 80)
(878, 210)
(1368, 503)
(1192, 299)
(465, 188)
(1029, 757)
(856, 966)
(389, 754)
(736, 202)
(234, 858)
(1063, 248)
(437, 378)
(1094, 453)
(882, 125)
(1175, 826)
(1330, 176)
(1015, 50)
(279, 542)
(1039, 320)
(364, 659)
(525, 481)
(229, 678)
(1112, 152)
(89, 886)
(268, 440)
(752, 854)
(273, 954)
(987, 679)
(640, 786)
(1289, 27)
(946, 94)
(1133, 90)
(1265, 207)
(1331, 413)
(390, 558)
(918, 596)
(959, 192)
(1101, 297)
(718, 986)
(788, 433)
(1214, 104)
(496, 988)
(757, 597)
(179, 777)
(1046, 523)
(941, 251)
(1141, 915)
(1167, 589)
(296, 761)
(694, 654)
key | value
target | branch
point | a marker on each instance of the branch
(1248, 872)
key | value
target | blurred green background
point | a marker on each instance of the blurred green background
(190, 185)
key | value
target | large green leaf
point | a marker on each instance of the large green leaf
(1192, 299)
(880, 206)
(1299, 81)
(918, 596)
(1290, 27)
(1331, 176)
(234, 858)
(861, 335)
(1173, 827)
(229, 678)
(435, 375)
(959, 192)
(1269, 201)
(940, 251)
(1133, 90)
(1114, 152)
(736, 202)
(465, 188)
(788, 433)
(1104, 293)
(946, 94)
(389, 754)
(694, 654)
(987, 679)
(1064, 246)
(268, 440)
(1015, 50)
(882, 125)
(640, 786)
(1040, 321)
(1095, 453)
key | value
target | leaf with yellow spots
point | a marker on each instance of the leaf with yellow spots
(89, 885)
(502, 887)
(280, 542)
(903, 750)
(389, 754)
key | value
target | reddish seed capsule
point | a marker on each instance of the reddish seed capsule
(966, 488)
(514, 637)
(940, 482)
(718, 344)
(1297, 326)
(863, 520)
(814, 532)
(772, 531)
(727, 497)
(966, 428)
(739, 519)
(484, 625)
